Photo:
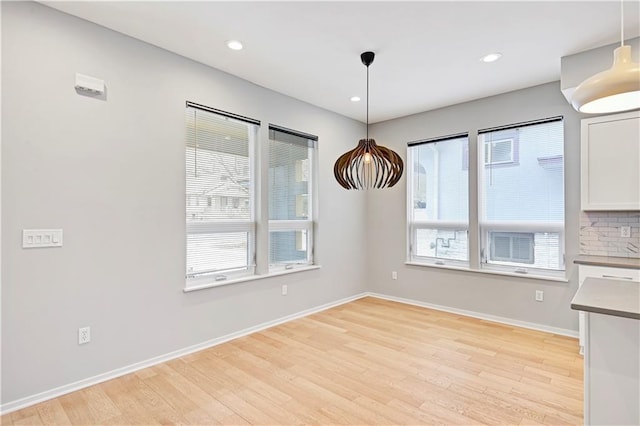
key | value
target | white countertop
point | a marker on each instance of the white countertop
(619, 298)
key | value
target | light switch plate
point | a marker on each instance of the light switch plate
(39, 238)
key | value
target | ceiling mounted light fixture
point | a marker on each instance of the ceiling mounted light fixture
(614, 90)
(368, 165)
(234, 45)
(491, 57)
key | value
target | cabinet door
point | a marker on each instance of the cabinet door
(612, 370)
(610, 153)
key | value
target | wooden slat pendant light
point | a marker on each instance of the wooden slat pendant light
(368, 165)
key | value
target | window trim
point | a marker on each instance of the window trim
(258, 235)
(414, 225)
(223, 113)
(486, 226)
(248, 278)
(247, 226)
(480, 226)
(308, 224)
(546, 277)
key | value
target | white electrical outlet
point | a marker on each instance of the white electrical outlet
(84, 335)
(539, 295)
(625, 231)
(394, 275)
(284, 289)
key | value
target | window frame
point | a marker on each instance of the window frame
(258, 227)
(413, 226)
(482, 228)
(485, 227)
(213, 227)
(308, 225)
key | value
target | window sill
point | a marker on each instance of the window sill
(561, 279)
(249, 278)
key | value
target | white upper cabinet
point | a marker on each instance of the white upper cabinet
(610, 151)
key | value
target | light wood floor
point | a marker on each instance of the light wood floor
(366, 362)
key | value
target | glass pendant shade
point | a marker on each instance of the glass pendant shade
(368, 165)
(616, 89)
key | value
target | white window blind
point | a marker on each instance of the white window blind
(522, 207)
(219, 194)
(291, 198)
(438, 197)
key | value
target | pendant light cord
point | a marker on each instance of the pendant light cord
(367, 102)
(621, 23)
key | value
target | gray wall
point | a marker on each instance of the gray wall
(510, 297)
(111, 173)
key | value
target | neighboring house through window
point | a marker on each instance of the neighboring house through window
(502, 151)
(498, 152)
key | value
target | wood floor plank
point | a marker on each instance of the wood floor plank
(197, 395)
(420, 416)
(100, 406)
(30, 420)
(28, 412)
(76, 408)
(244, 409)
(124, 394)
(370, 362)
(52, 413)
(309, 413)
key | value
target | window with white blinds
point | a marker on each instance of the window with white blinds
(438, 196)
(522, 207)
(291, 198)
(219, 194)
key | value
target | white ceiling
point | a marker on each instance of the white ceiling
(427, 53)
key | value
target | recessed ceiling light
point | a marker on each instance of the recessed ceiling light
(234, 45)
(491, 57)
(355, 99)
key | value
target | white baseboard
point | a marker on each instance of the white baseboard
(90, 381)
(479, 315)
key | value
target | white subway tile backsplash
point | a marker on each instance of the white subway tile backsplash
(600, 234)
